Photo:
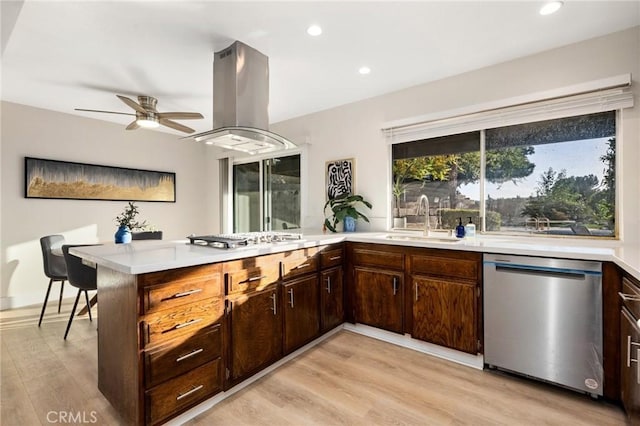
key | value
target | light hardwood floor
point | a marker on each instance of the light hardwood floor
(348, 379)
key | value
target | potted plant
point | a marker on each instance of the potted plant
(343, 209)
(127, 222)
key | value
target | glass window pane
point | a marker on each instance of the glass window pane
(554, 177)
(282, 193)
(445, 170)
(246, 197)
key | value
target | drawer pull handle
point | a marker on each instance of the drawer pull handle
(186, 293)
(188, 323)
(273, 307)
(304, 265)
(328, 284)
(335, 258)
(395, 285)
(416, 291)
(189, 355)
(261, 277)
(189, 392)
(629, 297)
(291, 297)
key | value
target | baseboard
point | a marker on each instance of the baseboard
(406, 341)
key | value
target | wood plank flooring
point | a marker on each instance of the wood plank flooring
(348, 379)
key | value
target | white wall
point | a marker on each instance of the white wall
(354, 130)
(33, 132)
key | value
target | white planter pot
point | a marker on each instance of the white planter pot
(399, 222)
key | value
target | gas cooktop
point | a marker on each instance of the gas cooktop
(227, 241)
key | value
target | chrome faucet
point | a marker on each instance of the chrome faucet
(427, 224)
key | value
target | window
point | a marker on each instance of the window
(266, 194)
(552, 177)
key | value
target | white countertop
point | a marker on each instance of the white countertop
(141, 257)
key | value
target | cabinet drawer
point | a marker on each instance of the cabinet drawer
(331, 257)
(188, 319)
(445, 267)
(368, 257)
(631, 296)
(187, 290)
(182, 355)
(251, 274)
(299, 265)
(252, 279)
(183, 391)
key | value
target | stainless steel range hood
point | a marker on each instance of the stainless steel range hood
(241, 102)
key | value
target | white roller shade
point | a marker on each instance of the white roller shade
(598, 96)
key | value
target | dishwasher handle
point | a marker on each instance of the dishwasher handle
(541, 271)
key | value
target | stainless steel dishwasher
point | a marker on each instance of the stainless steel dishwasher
(543, 319)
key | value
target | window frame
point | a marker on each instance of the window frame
(483, 192)
(227, 218)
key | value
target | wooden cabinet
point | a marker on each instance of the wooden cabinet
(180, 342)
(160, 344)
(376, 293)
(378, 298)
(630, 349)
(301, 312)
(255, 324)
(332, 293)
(446, 298)
(331, 298)
(444, 313)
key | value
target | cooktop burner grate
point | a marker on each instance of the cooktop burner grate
(242, 239)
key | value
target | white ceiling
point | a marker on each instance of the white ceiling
(62, 55)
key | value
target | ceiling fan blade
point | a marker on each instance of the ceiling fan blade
(107, 112)
(180, 115)
(133, 125)
(176, 126)
(132, 104)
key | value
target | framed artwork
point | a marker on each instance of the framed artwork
(339, 178)
(80, 181)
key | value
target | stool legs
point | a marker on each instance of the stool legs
(61, 291)
(44, 305)
(73, 312)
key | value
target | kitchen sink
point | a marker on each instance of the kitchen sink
(425, 238)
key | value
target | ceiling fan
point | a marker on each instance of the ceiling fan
(147, 115)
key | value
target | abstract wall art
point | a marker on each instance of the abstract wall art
(79, 181)
(339, 177)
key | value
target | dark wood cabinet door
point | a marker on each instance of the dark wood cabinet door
(630, 366)
(256, 332)
(444, 313)
(301, 312)
(378, 298)
(331, 298)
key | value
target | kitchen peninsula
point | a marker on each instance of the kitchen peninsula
(182, 323)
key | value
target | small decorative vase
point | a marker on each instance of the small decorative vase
(349, 224)
(123, 235)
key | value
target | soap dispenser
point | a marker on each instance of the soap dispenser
(460, 229)
(470, 229)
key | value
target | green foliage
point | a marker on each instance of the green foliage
(562, 197)
(343, 207)
(128, 217)
(606, 205)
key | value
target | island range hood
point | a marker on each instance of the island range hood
(241, 102)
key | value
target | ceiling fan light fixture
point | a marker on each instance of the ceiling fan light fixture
(148, 122)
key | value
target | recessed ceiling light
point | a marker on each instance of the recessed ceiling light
(314, 30)
(364, 70)
(550, 7)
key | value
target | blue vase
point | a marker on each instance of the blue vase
(349, 224)
(123, 235)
